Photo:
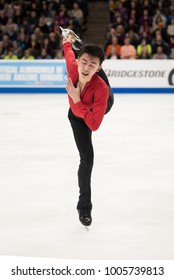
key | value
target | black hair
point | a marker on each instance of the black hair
(93, 50)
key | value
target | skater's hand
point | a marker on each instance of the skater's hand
(74, 92)
(69, 38)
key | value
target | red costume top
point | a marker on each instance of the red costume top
(94, 95)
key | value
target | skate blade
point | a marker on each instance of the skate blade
(87, 228)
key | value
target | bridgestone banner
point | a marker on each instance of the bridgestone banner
(140, 73)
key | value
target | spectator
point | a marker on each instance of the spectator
(54, 41)
(170, 28)
(128, 51)
(145, 5)
(62, 18)
(33, 20)
(42, 26)
(171, 11)
(17, 50)
(120, 33)
(158, 24)
(2, 50)
(71, 24)
(46, 45)
(53, 7)
(114, 45)
(158, 20)
(56, 29)
(160, 5)
(146, 22)
(8, 8)
(44, 9)
(142, 46)
(133, 5)
(44, 54)
(134, 37)
(122, 11)
(113, 54)
(131, 25)
(112, 6)
(144, 35)
(144, 53)
(10, 55)
(11, 30)
(171, 44)
(3, 17)
(158, 41)
(27, 55)
(77, 13)
(118, 21)
(34, 45)
(7, 44)
(17, 17)
(39, 35)
(26, 26)
(133, 15)
(159, 53)
(111, 32)
(22, 41)
(25, 33)
(32, 6)
(59, 54)
(84, 6)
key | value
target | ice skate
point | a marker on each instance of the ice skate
(77, 43)
(85, 216)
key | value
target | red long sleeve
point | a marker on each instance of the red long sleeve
(94, 96)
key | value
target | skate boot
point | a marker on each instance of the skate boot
(85, 216)
(77, 43)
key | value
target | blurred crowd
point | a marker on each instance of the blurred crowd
(30, 29)
(140, 29)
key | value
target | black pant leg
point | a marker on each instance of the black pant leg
(83, 139)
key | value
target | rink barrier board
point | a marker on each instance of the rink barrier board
(50, 76)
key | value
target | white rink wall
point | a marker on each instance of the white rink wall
(125, 76)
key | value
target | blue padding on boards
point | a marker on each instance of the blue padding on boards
(33, 90)
(144, 90)
(37, 90)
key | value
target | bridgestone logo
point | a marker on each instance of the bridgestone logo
(135, 74)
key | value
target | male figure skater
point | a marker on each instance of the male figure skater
(88, 95)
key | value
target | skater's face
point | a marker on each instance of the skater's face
(87, 67)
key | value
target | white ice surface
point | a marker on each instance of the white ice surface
(132, 180)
